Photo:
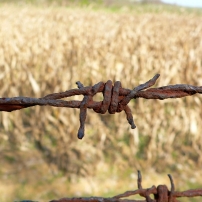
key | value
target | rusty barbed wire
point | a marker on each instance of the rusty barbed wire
(160, 193)
(115, 100)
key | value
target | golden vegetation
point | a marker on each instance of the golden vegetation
(47, 50)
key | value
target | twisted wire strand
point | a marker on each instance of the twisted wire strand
(115, 100)
(161, 193)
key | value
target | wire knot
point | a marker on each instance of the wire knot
(113, 102)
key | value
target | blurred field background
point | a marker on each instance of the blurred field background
(46, 47)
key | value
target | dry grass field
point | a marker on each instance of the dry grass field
(46, 50)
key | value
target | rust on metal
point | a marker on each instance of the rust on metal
(115, 100)
(161, 193)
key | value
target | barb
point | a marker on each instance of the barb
(139, 180)
(115, 100)
(172, 190)
(160, 194)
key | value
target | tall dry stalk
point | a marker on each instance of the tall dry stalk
(47, 50)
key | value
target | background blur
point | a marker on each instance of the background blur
(46, 46)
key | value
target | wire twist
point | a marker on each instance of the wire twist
(111, 103)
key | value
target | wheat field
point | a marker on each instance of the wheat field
(46, 50)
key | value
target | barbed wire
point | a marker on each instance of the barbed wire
(160, 193)
(115, 98)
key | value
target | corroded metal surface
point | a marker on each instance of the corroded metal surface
(115, 100)
(160, 194)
